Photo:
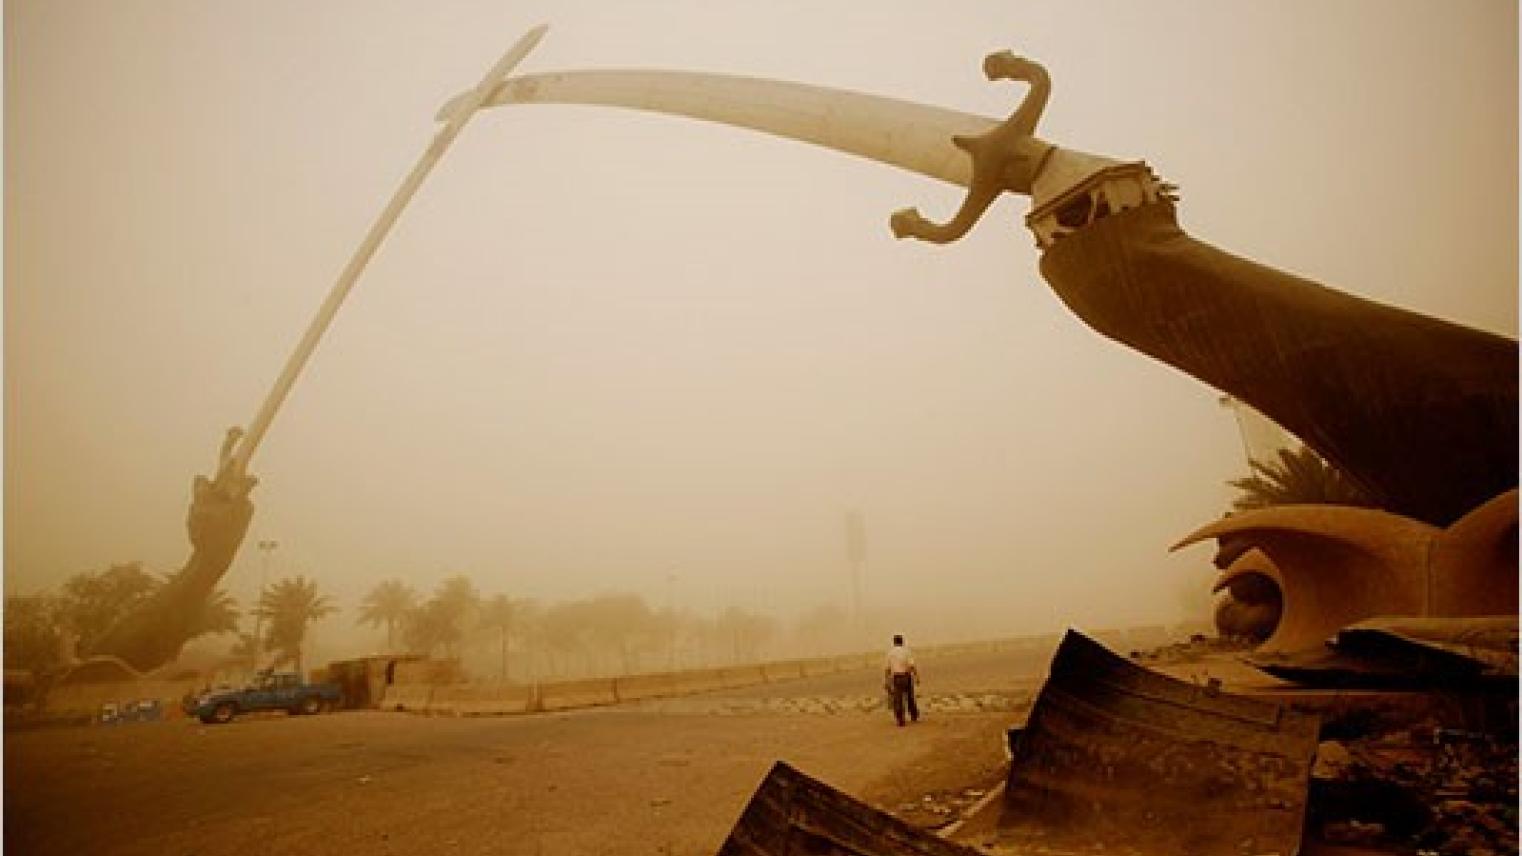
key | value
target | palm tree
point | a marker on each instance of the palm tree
(1300, 476)
(448, 616)
(619, 625)
(219, 614)
(291, 605)
(428, 627)
(458, 598)
(388, 603)
(244, 648)
(500, 614)
(562, 631)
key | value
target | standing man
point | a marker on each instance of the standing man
(899, 677)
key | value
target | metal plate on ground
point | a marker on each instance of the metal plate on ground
(1116, 758)
(793, 815)
(1408, 652)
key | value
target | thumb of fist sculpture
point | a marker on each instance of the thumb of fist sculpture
(220, 510)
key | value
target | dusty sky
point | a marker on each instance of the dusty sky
(605, 348)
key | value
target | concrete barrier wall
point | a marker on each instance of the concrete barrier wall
(818, 666)
(81, 700)
(657, 685)
(425, 687)
(480, 700)
(702, 680)
(743, 676)
(782, 671)
(409, 697)
(857, 662)
(563, 695)
(428, 672)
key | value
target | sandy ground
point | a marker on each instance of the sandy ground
(664, 777)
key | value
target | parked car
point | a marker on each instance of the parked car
(269, 691)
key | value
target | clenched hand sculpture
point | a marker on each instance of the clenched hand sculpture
(1421, 412)
(220, 511)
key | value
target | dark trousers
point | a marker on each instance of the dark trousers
(903, 697)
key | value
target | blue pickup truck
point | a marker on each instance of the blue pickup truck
(269, 691)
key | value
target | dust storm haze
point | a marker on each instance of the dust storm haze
(605, 351)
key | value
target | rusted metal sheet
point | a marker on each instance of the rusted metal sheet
(1116, 758)
(1407, 652)
(1490, 641)
(793, 815)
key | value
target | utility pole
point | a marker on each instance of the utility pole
(266, 547)
(1262, 438)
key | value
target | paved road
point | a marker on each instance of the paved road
(655, 778)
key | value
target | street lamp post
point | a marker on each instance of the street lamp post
(266, 547)
(670, 624)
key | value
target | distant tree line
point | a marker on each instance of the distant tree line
(617, 633)
(493, 636)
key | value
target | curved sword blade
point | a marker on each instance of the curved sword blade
(905, 134)
(468, 103)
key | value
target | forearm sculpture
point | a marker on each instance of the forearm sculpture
(220, 511)
(1420, 412)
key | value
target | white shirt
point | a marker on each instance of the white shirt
(900, 660)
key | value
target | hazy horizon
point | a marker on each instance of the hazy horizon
(610, 351)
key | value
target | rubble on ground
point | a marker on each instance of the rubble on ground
(939, 809)
(1197, 648)
(1385, 779)
(793, 813)
(1421, 788)
(929, 704)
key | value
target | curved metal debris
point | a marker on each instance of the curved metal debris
(1119, 758)
(1403, 652)
(794, 815)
